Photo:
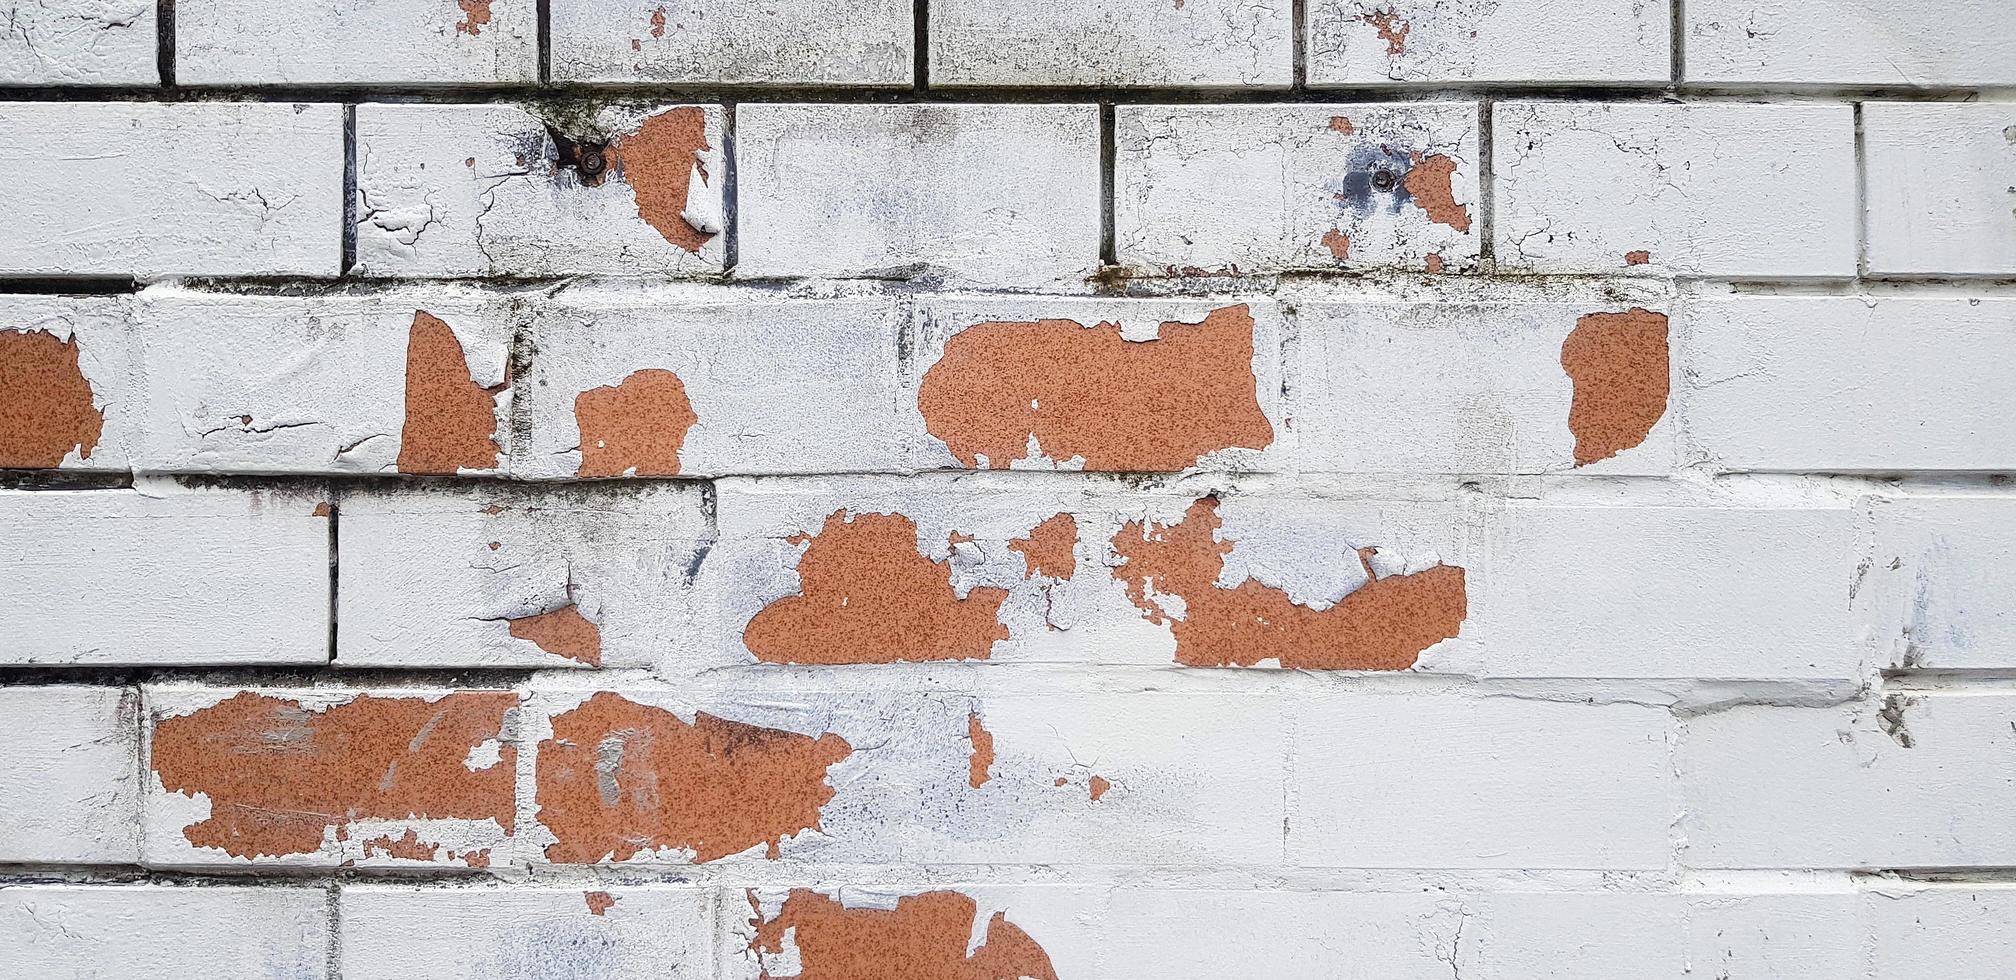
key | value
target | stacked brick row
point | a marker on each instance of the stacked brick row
(1180, 489)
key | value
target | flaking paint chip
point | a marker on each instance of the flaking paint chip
(635, 427)
(1619, 365)
(48, 408)
(924, 936)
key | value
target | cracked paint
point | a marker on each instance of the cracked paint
(451, 421)
(661, 163)
(281, 777)
(1092, 395)
(1384, 624)
(1618, 363)
(982, 759)
(634, 428)
(868, 595)
(924, 936)
(619, 779)
(1385, 22)
(563, 632)
(48, 410)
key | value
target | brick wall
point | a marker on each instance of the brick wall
(1165, 488)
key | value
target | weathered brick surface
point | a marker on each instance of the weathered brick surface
(1256, 189)
(1943, 180)
(79, 42)
(1717, 189)
(155, 576)
(1357, 42)
(152, 190)
(1210, 43)
(247, 42)
(745, 490)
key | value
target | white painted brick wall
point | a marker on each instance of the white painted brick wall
(68, 793)
(1850, 42)
(1359, 42)
(152, 190)
(1210, 43)
(1948, 931)
(82, 931)
(994, 194)
(79, 42)
(393, 932)
(1942, 188)
(1263, 188)
(1881, 382)
(155, 576)
(1932, 586)
(379, 42)
(1717, 189)
(740, 41)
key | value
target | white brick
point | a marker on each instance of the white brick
(459, 577)
(321, 384)
(1479, 384)
(768, 383)
(67, 789)
(1851, 42)
(154, 190)
(1663, 936)
(79, 42)
(477, 190)
(1182, 934)
(67, 364)
(396, 932)
(1208, 43)
(1942, 186)
(998, 194)
(1357, 42)
(1669, 592)
(1204, 772)
(733, 41)
(1907, 782)
(1154, 385)
(1265, 188)
(1935, 591)
(1712, 189)
(122, 577)
(1957, 932)
(85, 932)
(1440, 781)
(1851, 383)
(411, 778)
(375, 42)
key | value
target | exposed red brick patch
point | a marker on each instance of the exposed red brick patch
(46, 411)
(983, 751)
(1048, 550)
(1618, 364)
(923, 938)
(475, 14)
(321, 510)
(1434, 262)
(1338, 243)
(1098, 787)
(1394, 36)
(638, 424)
(658, 162)
(1060, 781)
(599, 903)
(1156, 405)
(618, 779)
(1383, 625)
(658, 22)
(1639, 257)
(563, 632)
(279, 775)
(1342, 125)
(1430, 184)
(866, 595)
(409, 846)
(451, 421)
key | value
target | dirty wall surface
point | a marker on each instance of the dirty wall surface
(1165, 488)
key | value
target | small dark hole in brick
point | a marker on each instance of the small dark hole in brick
(1383, 180)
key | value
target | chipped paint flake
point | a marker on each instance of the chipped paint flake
(924, 936)
(619, 779)
(1618, 363)
(1048, 550)
(868, 595)
(1338, 243)
(635, 427)
(1384, 624)
(1430, 184)
(982, 758)
(475, 14)
(451, 421)
(47, 410)
(563, 632)
(661, 162)
(1093, 395)
(1391, 27)
(599, 903)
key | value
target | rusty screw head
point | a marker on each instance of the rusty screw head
(1383, 180)
(592, 162)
